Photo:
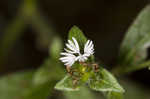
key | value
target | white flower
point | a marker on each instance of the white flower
(73, 48)
(68, 59)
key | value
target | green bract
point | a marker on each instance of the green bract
(78, 34)
(66, 84)
(105, 81)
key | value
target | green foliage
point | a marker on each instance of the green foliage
(55, 48)
(51, 66)
(44, 80)
(134, 47)
(47, 72)
(83, 93)
(13, 86)
(78, 34)
(114, 95)
(33, 85)
(45, 77)
(66, 84)
(42, 91)
(104, 81)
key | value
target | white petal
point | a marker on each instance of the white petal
(72, 44)
(66, 54)
(70, 47)
(76, 43)
(68, 59)
(87, 43)
(68, 51)
(73, 47)
(89, 48)
(90, 44)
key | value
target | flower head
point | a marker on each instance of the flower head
(73, 48)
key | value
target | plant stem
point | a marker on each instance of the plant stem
(122, 70)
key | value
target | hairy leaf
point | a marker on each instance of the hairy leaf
(114, 95)
(66, 84)
(78, 34)
(104, 81)
(84, 93)
(133, 50)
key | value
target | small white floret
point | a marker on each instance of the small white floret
(89, 48)
(73, 48)
(68, 59)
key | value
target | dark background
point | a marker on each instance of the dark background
(103, 21)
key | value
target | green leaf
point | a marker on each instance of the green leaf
(114, 95)
(49, 71)
(14, 85)
(104, 81)
(66, 84)
(133, 50)
(55, 48)
(44, 80)
(84, 93)
(41, 91)
(78, 34)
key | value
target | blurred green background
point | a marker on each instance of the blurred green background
(28, 27)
